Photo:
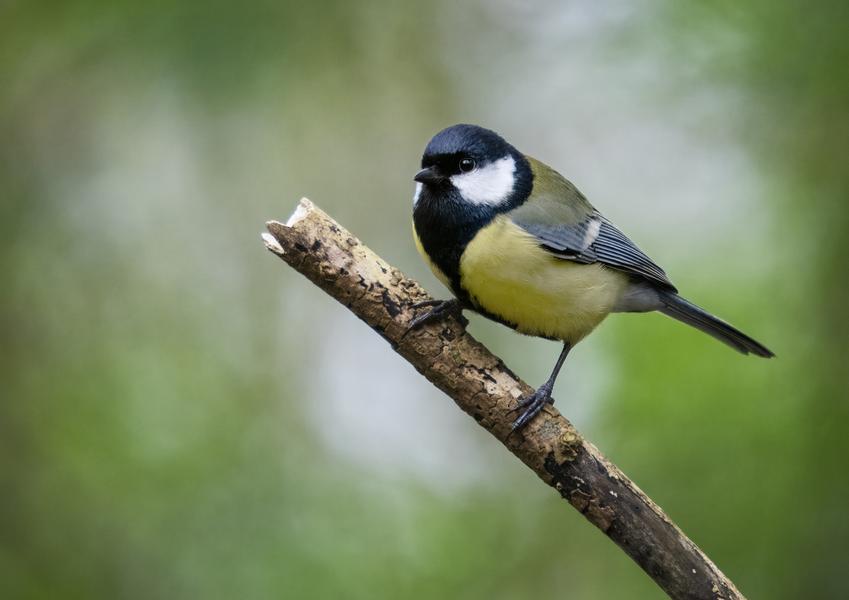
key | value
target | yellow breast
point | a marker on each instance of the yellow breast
(506, 273)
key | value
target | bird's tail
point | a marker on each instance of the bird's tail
(678, 308)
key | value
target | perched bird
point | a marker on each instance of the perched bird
(516, 242)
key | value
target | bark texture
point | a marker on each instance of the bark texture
(479, 382)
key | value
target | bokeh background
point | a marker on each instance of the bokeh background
(182, 416)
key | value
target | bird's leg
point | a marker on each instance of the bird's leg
(534, 403)
(441, 309)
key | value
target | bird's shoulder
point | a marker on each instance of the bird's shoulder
(567, 225)
(553, 196)
(557, 213)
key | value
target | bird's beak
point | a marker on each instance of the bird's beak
(428, 175)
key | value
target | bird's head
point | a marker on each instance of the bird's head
(474, 166)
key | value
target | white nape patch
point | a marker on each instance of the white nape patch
(592, 232)
(490, 184)
(418, 193)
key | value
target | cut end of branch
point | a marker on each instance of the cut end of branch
(278, 233)
(303, 209)
(271, 242)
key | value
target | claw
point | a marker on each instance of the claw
(533, 405)
(441, 308)
(426, 303)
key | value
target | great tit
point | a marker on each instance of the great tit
(518, 243)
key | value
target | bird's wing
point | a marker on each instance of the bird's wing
(567, 225)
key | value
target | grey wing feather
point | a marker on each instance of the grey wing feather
(566, 241)
(595, 239)
(612, 247)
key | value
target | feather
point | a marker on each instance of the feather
(567, 225)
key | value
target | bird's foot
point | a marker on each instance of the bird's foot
(441, 309)
(533, 404)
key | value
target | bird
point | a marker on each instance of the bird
(515, 241)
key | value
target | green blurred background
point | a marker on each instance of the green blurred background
(183, 416)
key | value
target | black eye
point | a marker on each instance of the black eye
(466, 165)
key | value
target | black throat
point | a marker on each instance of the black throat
(446, 223)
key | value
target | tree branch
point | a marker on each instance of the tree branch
(479, 382)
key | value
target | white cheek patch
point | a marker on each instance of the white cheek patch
(490, 184)
(417, 193)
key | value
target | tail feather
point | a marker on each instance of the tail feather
(678, 308)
